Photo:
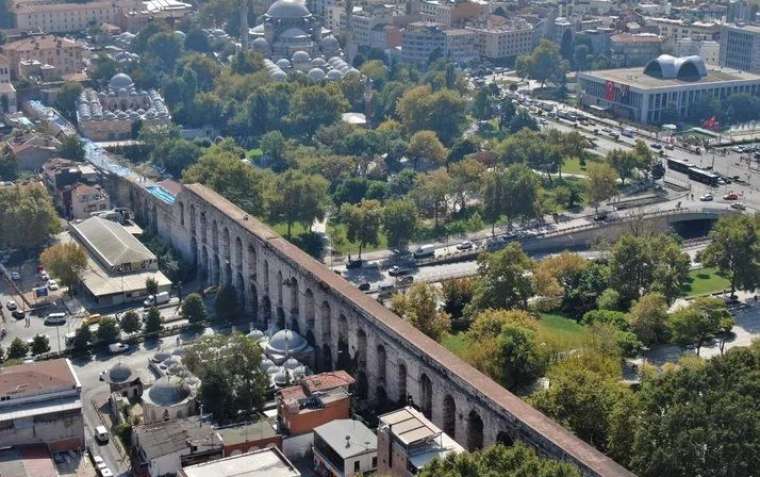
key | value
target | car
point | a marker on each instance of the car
(404, 281)
(18, 314)
(466, 245)
(364, 286)
(52, 285)
(396, 271)
(731, 196)
(669, 147)
(101, 434)
(106, 472)
(600, 217)
(15, 276)
(44, 276)
(607, 130)
(706, 198)
(99, 462)
(738, 206)
(351, 264)
(11, 305)
(58, 458)
(55, 319)
(655, 145)
(117, 348)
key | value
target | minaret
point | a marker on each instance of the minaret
(244, 24)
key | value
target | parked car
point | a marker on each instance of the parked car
(466, 245)
(11, 305)
(396, 271)
(18, 314)
(52, 285)
(364, 286)
(738, 206)
(706, 198)
(117, 348)
(44, 276)
(655, 145)
(406, 280)
(55, 319)
(101, 434)
(15, 276)
(731, 196)
(99, 462)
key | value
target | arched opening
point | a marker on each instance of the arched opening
(360, 354)
(266, 311)
(325, 317)
(238, 254)
(252, 262)
(194, 248)
(215, 271)
(426, 392)
(504, 439)
(294, 324)
(381, 400)
(240, 288)
(474, 432)
(381, 364)
(204, 233)
(215, 236)
(254, 301)
(280, 318)
(403, 396)
(326, 361)
(279, 288)
(449, 416)
(310, 338)
(181, 213)
(309, 309)
(344, 359)
(227, 276)
(192, 219)
(204, 262)
(266, 277)
(294, 305)
(361, 385)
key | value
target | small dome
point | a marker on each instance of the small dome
(287, 341)
(120, 81)
(168, 391)
(180, 34)
(260, 45)
(316, 74)
(160, 357)
(288, 9)
(256, 335)
(330, 43)
(283, 63)
(274, 369)
(266, 364)
(119, 373)
(281, 378)
(291, 363)
(334, 75)
(279, 76)
(353, 72)
(318, 62)
(301, 57)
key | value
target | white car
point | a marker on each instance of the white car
(99, 462)
(11, 305)
(466, 245)
(706, 198)
(52, 285)
(106, 472)
(15, 276)
(117, 348)
(44, 276)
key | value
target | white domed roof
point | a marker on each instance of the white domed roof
(266, 363)
(353, 71)
(288, 9)
(119, 81)
(283, 63)
(286, 341)
(291, 363)
(316, 74)
(260, 45)
(318, 61)
(301, 57)
(256, 335)
(168, 391)
(330, 42)
(279, 75)
(334, 75)
(274, 369)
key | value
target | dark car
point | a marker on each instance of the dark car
(364, 286)
(403, 281)
(351, 264)
(18, 314)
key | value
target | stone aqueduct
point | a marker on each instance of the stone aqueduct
(392, 361)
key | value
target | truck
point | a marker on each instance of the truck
(157, 299)
(425, 251)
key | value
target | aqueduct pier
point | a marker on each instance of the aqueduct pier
(392, 361)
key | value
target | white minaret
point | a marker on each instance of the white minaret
(244, 24)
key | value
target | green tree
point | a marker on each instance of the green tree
(151, 286)
(82, 340)
(71, 148)
(425, 146)
(18, 349)
(8, 164)
(315, 106)
(399, 221)
(108, 331)
(193, 309)
(602, 183)
(701, 320)
(65, 262)
(234, 387)
(176, 155)
(66, 99)
(442, 111)
(273, 146)
(465, 180)
(153, 323)
(362, 222)
(40, 345)
(457, 294)
(519, 358)
(419, 306)
(515, 461)
(543, 64)
(734, 249)
(503, 279)
(624, 163)
(102, 68)
(648, 319)
(226, 304)
(130, 322)
(166, 47)
(430, 194)
(297, 197)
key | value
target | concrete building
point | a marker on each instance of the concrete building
(665, 84)
(449, 13)
(424, 40)
(40, 403)
(274, 278)
(316, 400)
(740, 47)
(55, 17)
(166, 448)
(672, 29)
(500, 39)
(33, 150)
(118, 263)
(708, 50)
(268, 462)
(407, 441)
(344, 448)
(169, 398)
(86, 199)
(628, 49)
(243, 438)
(65, 55)
(114, 113)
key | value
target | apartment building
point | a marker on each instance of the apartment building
(40, 403)
(501, 39)
(672, 29)
(52, 17)
(740, 47)
(628, 49)
(450, 13)
(65, 55)
(423, 41)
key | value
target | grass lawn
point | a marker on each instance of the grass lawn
(455, 343)
(573, 166)
(704, 281)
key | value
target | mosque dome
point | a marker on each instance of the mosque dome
(256, 335)
(266, 364)
(283, 63)
(260, 45)
(334, 75)
(168, 391)
(119, 373)
(279, 76)
(301, 57)
(330, 43)
(286, 342)
(316, 74)
(288, 9)
(120, 81)
(291, 363)
(318, 62)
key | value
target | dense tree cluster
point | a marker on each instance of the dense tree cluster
(27, 217)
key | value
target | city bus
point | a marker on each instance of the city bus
(680, 166)
(705, 177)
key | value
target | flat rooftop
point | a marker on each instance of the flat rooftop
(269, 462)
(636, 78)
(33, 379)
(257, 431)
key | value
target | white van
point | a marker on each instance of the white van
(425, 251)
(101, 434)
(157, 299)
(55, 319)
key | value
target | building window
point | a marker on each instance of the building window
(357, 467)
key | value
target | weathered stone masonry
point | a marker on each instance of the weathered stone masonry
(391, 360)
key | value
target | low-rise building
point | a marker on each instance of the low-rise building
(344, 448)
(448, 12)
(674, 29)
(170, 398)
(500, 39)
(407, 441)
(65, 55)
(8, 99)
(423, 41)
(243, 438)
(165, 448)
(629, 49)
(84, 199)
(58, 17)
(316, 400)
(33, 151)
(123, 381)
(40, 403)
(268, 462)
